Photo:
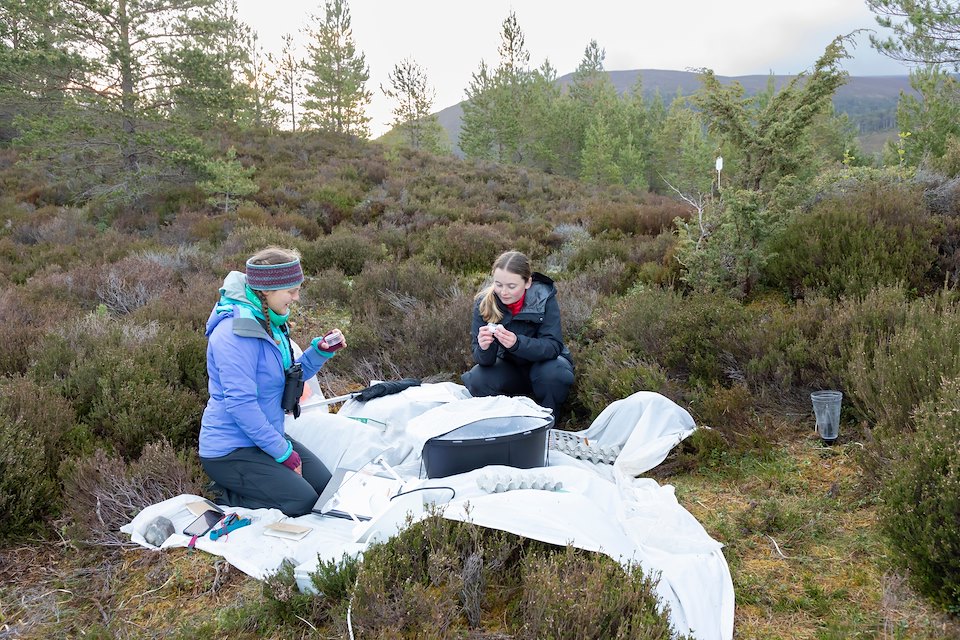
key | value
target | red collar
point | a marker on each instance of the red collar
(516, 306)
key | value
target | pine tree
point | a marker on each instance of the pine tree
(543, 126)
(289, 77)
(687, 155)
(931, 117)
(36, 67)
(924, 31)
(592, 99)
(597, 160)
(337, 94)
(492, 126)
(477, 133)
(414, 98)
(208, 62)
(228, 180)
(263, 86)
(511, 93)
(111, 137)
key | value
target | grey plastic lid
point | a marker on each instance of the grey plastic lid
(496, 428)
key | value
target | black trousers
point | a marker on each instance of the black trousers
(250, 478)
(548, 382)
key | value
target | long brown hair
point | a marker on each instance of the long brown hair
(512, 262)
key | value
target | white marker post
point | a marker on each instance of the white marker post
(719, 169)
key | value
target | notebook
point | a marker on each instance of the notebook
(286, 530)
(358, 495)
(200, 506)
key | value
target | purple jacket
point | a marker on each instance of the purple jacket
(246, 376)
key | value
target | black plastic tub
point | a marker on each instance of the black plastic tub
(515, 441)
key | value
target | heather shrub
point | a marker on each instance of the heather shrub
(849, 245)
(806, 345)
(603, 246)
(394, 239)
(465, 248)
(25, 312)
(185, 305)
(864, 321)
(731, 414)
(252, 214)
(129, 384)
(608, 371)
(947, 269)
(243, 242)
(608, 602)
(327, 287)
(134, 281)
(103, 492)
(606, 278)
(780, 352)
(108, 246)
(390, 288)
(53, 225)
(344, 249)
(331, 203)
(430, 577)
(139, 403)
(699, 337)
(638, 254)
(298, 225)
(648, 218)
(33, 422)
(920, 505)
(888, 379)
(198, 226)
(438, 579)
(427, 340)
(566, 238)
(577, 303)
(433, 340)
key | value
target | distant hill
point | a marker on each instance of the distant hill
(870, 101)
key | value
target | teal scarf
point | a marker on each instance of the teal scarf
(276, 321)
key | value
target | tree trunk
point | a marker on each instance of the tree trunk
(127, 96)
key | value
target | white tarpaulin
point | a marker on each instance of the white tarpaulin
(600, 507)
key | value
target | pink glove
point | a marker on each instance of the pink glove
(332, 341)
(293, 462)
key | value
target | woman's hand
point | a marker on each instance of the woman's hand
(294, 463)
(485, 337)
(332, 341)
(505, 337)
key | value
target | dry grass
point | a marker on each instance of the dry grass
(801, 540)
(821, 569)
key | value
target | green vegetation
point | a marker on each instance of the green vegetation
(802, 270)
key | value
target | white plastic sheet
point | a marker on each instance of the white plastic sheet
(601, 508)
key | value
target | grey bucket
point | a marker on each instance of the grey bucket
(826, 407)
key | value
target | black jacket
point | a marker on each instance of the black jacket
(537, 325)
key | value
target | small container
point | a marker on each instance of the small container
(333, 337)
(826, 408)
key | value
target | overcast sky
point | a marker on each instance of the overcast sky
(449, 38)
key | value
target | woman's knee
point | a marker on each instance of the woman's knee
(481, 381)
(557, 372)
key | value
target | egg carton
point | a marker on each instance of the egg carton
(581, 448)
(499, 483)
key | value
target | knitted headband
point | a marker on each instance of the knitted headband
(271, 277)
